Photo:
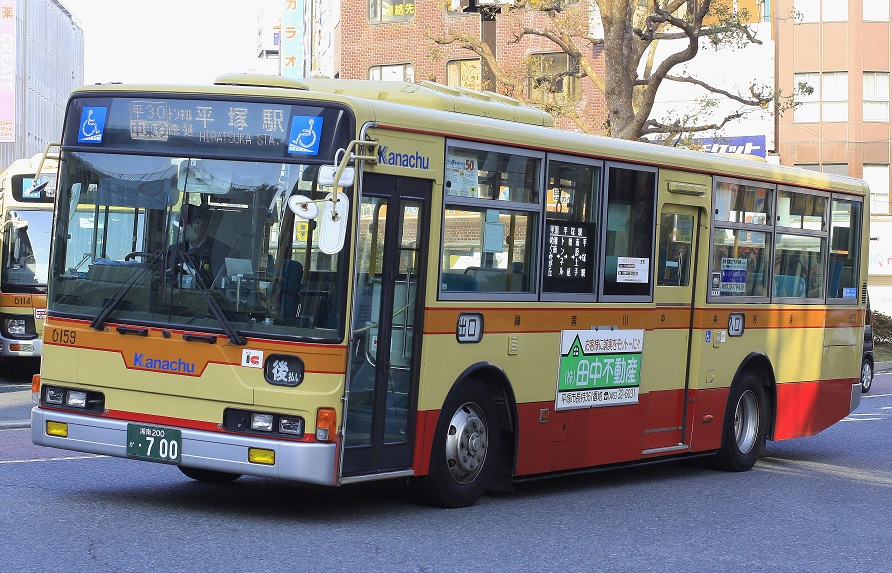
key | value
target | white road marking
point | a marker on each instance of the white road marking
(87, 457)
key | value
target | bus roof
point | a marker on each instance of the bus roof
(485, 117)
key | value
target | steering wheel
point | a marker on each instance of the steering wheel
(134, 254)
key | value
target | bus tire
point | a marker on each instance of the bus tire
(208, 476)
(745, 426)
(465, 449)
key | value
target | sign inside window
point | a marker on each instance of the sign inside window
(461, 175)
(570, 262)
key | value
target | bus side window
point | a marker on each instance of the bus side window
(630, 210)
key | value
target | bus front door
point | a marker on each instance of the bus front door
(676, 280)
(387, 307)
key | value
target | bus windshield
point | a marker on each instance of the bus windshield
(194, 243)
(26, 252)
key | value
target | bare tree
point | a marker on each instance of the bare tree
(632, 74)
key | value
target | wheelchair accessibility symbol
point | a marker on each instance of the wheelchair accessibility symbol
(305, 135)
(92, 125)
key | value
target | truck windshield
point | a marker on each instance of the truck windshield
(177, 241)
(26, 250)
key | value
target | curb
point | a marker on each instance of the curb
(882, 367)
(15, 425)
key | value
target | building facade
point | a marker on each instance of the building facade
(395, 41)
(41, 61)
(842, 50)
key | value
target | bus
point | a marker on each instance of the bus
(26, 201)
(417, 282)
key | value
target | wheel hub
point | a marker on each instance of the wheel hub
(466, 443)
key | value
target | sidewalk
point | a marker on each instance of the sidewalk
(882, 367)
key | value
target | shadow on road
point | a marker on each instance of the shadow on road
(18, 371)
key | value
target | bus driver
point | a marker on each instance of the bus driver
(204, 254)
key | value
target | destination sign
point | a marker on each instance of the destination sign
(570, 262)
(203, 127)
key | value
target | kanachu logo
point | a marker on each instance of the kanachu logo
(147, 362)
(92, 125)
(413, 161)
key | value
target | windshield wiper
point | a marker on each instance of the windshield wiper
(99, 322)
(216, 311)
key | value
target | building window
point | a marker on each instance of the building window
(877, 177)
(836, 168)
(393, 73)
(876, 96)
(463, 74)
(835, 10)
(807, 11)
(834, 96)
(808, 166)
(389, 11)
(875, 11)
(808, 109)
(551, 75)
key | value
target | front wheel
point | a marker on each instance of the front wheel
(866, 375)
(745, 426)
(208, 476)
(464, 451)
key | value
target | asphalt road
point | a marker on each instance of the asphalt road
(15, 392)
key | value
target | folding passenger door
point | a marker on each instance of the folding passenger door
(387, 316)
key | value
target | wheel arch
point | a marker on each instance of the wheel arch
(759, 364)
(499, 387)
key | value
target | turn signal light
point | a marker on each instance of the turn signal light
(325, 424)
(35, 388)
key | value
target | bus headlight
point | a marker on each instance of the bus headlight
(262, 422)
(291, 425)
(86, 400)
(76, 399)
(15, 326)
(54, 395)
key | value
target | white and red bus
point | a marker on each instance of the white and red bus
(27, 191)
(414, 281)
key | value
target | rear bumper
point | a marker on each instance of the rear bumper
(299, 461)
(856, 397)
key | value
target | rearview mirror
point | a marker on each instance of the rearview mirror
(327, 173)
(333, 223)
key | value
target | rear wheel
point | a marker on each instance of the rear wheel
(464, 451)
(745, 426)
(208, 476)
(866, 375)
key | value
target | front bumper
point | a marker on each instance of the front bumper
(299, 461)
(26, 348)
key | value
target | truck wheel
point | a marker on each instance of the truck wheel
(866, 375)
(464, 450)
(745, 426)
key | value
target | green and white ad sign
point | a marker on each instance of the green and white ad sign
(599, 368)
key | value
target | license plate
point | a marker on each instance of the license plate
(154, 443)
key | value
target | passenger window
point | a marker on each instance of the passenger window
(490, 221)
(845, 249)
(629, 240)
(800, 244)
(740, 261)
(570, 226)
